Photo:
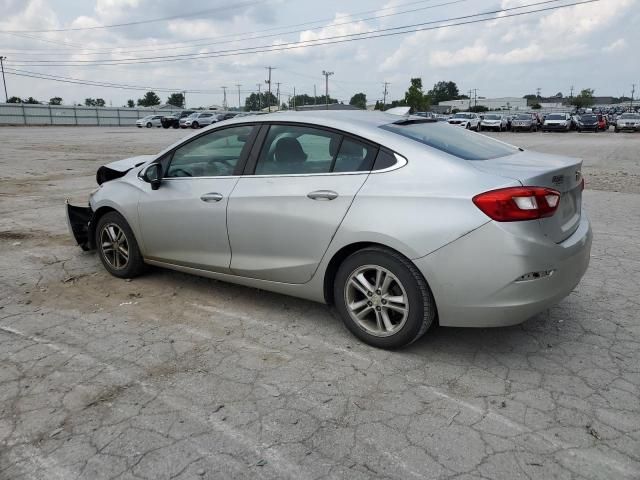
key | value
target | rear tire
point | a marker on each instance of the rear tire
(195, 125)
(117, 246)
(149, 125)
(365, 308)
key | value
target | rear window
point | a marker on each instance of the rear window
(452, 140)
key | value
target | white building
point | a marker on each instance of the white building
(504, 103)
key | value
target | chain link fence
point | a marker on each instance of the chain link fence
(32, 114)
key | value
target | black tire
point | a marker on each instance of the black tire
(135, 264)
(479, 128)
(615, 130)
(149, 125)
(176, 125)
(195, 125)
(421, 305)
(468, 127)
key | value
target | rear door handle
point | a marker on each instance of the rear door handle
(322, 195)
(211, 197)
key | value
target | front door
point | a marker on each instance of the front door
(282, 218)
(184, 221)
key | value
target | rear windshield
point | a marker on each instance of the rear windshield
(523, 117)
(555, 117)
(492, 117)
(452, 140)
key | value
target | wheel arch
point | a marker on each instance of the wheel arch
(344, 252)
(97, 215)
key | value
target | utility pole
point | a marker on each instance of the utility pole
(326, 87)
(475, 97)
(538, 92)
(571, 94)
(259, 98)
(3, 80)
(278, 93)
(385, 93)
(633, 90)
(470, 92)
(268, 82)
(239, 104)
(224, 99)
(315, 98)
(294, 97)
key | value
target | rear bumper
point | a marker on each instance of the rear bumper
(78, 221)
(474, 279)
(557, 128)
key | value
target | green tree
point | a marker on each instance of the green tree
(150, 99)
(478, 109)
(536, 106)
(379, 105)
(414, 96)
(359, 100)
(31, 100)
(55, 101)
(14, 100)
(131, 103)
(253, 102)
(584, 98)
(100, 102)
(176, 99)
(443, 91)
(90, 102)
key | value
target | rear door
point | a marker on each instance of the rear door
(285, 210)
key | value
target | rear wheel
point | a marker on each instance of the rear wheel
(117, 246)
(382, 298)
(149, 125)
(195, 125)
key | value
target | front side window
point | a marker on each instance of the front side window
(452, 140)
(212, 155)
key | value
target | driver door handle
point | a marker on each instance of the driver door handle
(322, 195)
(211, 197)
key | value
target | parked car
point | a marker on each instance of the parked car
(493, 121)
(292, 195)
(628, 121)
(149, 121)
(524, 121)
(200, 119)
(588, 122)
(173, 121)
(468, 120)
(557, 122)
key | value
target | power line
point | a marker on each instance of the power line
(110, 51)
(380, 33)
(141, 22)
(191, 43)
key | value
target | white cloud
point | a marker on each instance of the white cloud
(619, 44)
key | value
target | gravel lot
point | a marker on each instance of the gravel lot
(173, 376)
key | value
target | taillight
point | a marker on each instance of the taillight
(518, 203)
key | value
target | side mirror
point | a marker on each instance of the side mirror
(153, 175)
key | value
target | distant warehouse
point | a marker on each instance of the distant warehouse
(503, 103)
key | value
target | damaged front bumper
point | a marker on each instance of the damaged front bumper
(79, 222)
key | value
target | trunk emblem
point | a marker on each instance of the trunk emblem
(558, 179)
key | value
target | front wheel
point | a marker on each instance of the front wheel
(383, 298)
(195, 125)
(117, 246)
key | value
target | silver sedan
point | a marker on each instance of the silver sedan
(400, 222)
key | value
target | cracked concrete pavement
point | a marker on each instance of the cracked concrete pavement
(173, 376)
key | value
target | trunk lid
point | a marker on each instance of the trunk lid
(534, 169)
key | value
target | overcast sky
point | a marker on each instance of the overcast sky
(593, 45)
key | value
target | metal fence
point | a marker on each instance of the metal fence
(31, 114)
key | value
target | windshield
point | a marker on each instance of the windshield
(555, 117)
(462, 115)
(523, 117)
(630, 115)
(452, 140)
(588, 117)
(492, 117)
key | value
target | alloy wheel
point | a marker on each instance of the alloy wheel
(376, 300)
(114, 246)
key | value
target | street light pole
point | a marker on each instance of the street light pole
(3, 80)
(326, 87)
(239, 105)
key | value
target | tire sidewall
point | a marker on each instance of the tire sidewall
(414, 325)
(136, 263)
